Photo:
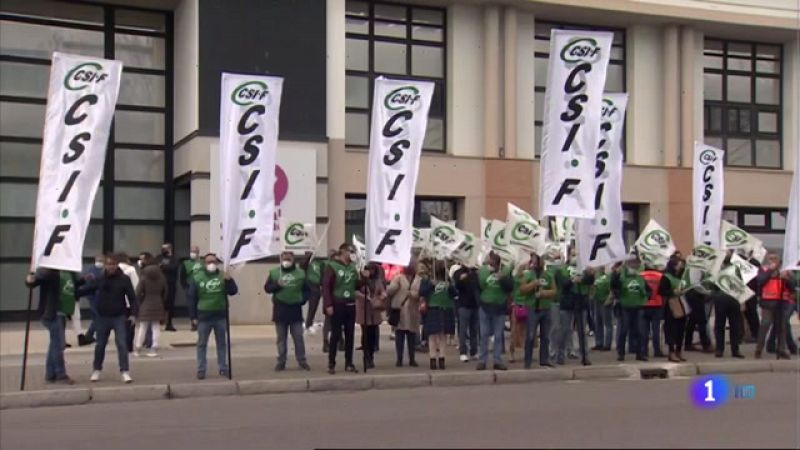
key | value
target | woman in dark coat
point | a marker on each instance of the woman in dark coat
(152, 294)
(437, 303)
(370, 303)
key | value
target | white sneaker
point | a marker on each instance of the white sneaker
(136, 353)
(126, 377)
(464, 358)
(152, 354)
(95, 376)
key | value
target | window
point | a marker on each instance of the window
(615, 77)
(443, 208)
(396, 41)
(630, 224)
(133, 193)
(766, 224)
(742, 102)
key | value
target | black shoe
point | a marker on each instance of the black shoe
(81, 340)
(201, 376)
(718, 354)
(331, 370)
(606, 349)
(67, 345)
(351, 368)
(597, 348)
(413, 363)
(304, 365)
(359, 348)
(280, 367)
(194, 327)
(527, 366)
(169, 327)
(398, 364)
(642, 358)
(64, 379)
(480, 366)
(325, 347)
(433, 364)
(620, 357)
(738, 355)
(370, 364)
(500, 367)
(659, 355)
(586, 362)
(441, 363)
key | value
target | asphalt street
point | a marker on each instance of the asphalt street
(637, 413)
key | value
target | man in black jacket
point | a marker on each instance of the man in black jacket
(116, 302)
(48, 282)
(466, 282)
(169, 265)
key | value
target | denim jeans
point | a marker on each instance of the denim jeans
(492, 323)
(541, 319)
(90, 332)
(651, 329)
(554, 327)
(104, 325)
(604, 325)
(629, 324)
(787, 311)
(204, 328)
(565, 318)
(296, 330)
(468, 328)
(55, 366)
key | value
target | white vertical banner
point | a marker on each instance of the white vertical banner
(248, 134)
(575, 82)
(399, 120)
(600, 240)
(708, 194)
(81, 99)
(791, 241)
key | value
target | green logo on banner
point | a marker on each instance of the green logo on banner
(406, 97)
(249, 92)
(80, 76)
(581, 49)
(295, 234)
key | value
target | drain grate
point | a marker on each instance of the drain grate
(653, 373)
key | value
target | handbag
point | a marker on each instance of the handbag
(520, 313)
(676, 308)
(393, 317)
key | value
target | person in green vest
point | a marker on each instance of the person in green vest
(632, 291)
(340, 280)
(313, 269)
(436, 296)
(287, 284)
(189, 267)
(496, 284)
(538, 289)
(603, 311)
(573, 286)
(209, 293)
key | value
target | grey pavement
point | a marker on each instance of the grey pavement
(579, 414)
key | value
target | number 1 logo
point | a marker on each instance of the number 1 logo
(709, 392)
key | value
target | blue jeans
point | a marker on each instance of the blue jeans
(651, 329)
(204, 328)
(104, 325)
(492, 323)
(628, 324)
(92, 327)
(565, 318)
(55, 366)
(604, 324)
(542, 320)
(468, 329)
(296, 329)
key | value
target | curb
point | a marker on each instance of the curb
(79, 396)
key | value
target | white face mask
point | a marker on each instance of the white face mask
(192, 255)
(99, 264)
(286, 264)
(139, 263)
(211, 267)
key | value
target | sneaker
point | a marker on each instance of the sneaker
(572, 355)
(223, 373)
(126, 378)
(136, 353)
(351, 368)
(152, 353)
(464, 358)
(95, 376)
(304, 365)
(331, 371)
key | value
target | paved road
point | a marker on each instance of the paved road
(642, 413)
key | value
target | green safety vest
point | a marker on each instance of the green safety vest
(292, 291)
(552, 271)
(210, 291)
(674, 282)
(346, 279)
(440, 298)
(520, 298)
(633, 293)
(602, 288)
(545, 283)
(491, 292)
(314, 274)
(66, 299)
(191, 266)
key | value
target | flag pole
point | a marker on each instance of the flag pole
(27, 336)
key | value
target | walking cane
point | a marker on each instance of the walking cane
(228, 336)
(366, 330)
(27, 335)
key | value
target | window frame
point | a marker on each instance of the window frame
(371, 74)
(724, 105)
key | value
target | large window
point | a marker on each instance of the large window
(615, 77)
(443, 208)
(742, 102)
(129, 210)
(397, 41)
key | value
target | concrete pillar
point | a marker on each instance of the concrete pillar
(688, 93)
(510, 84)
(335, 68)
(491, 52)
(672, 94)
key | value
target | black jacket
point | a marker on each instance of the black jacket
(571, 299)
(115, 295)
(49, 283)
(170, 266)
(468, 289)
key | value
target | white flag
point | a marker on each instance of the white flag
(600, 240)
(655, 245)
(361, 253)
(468, 251)
(706, 259)
(562, 229)
(575, 81)
(298, 237)
(445, 238)
(248, 140)
(747, 270)
(742, 242)
(486, 239)
(732, 284)
(708, 194)
(499, 242)
(399, 119)
(422, 238)
(80, 105)
(791, 241)
(523, 231)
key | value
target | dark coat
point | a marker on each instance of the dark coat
(48, 282)
(151, 293)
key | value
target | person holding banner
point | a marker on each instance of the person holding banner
(543, 290)
(674, 309)
(287, 284)
(603, 311)
(632, 291)
(436, 300)
(697, 297)
(313, 269)
(209, 293)
(495, 285)
(726, 308)
(93, 273)
(370, 304)
(573, 287)
(340, 280)
(49, 283)
(189, 267)
(468, 287)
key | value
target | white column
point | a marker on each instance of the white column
(335, 68)
(687, 95)
(791, 103)
(671, 88)
(510, 83)
(525, 97)
(491, 49)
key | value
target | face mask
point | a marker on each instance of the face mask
(192, 255)
(139, 263)
(211, 267)
(353, 257)
(99, 264)
(286, 264)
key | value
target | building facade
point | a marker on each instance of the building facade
(726, 72)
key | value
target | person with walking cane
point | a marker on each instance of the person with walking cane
(209, 293)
